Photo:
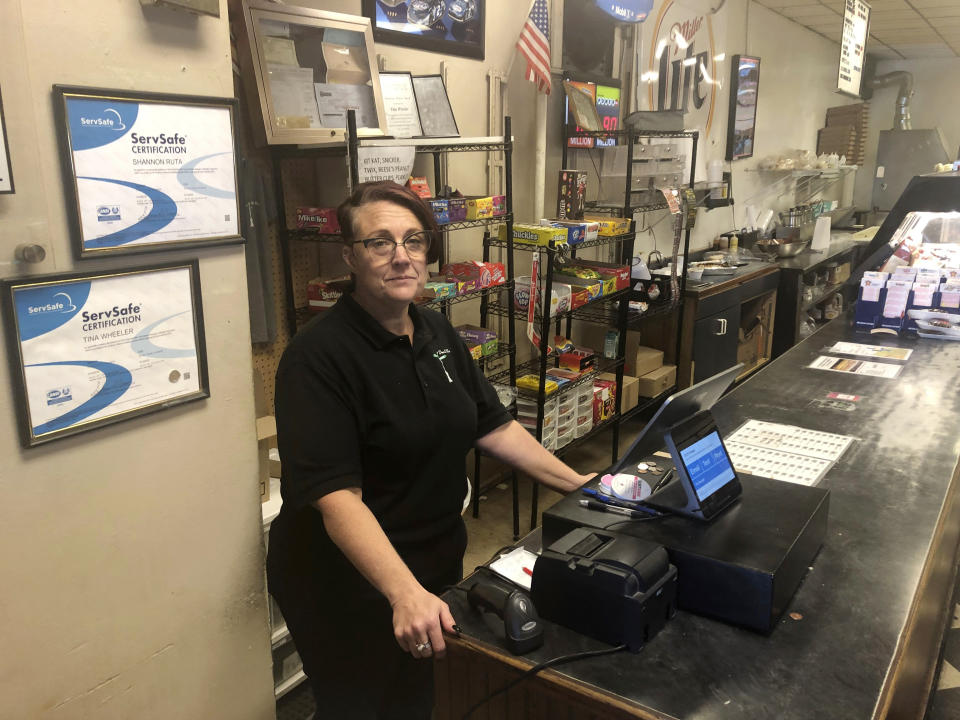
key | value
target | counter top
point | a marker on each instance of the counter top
(848, 634)
(840, 243)
(713, 284)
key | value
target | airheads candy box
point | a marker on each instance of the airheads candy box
(323, 220)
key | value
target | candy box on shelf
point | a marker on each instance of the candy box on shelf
(535, 235)
(441, 210)
(479, 208)
(485, 339)
(420, 187)
(609, 226)
(575, 232)
(323, 220)
(323, 294)
(499, 205)
(437, 290)
(591, 228)
(457, 209)
(606, 270)
(487, 274)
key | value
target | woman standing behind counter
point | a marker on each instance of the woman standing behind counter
(378, 402)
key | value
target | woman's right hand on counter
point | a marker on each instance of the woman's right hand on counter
(419, 618)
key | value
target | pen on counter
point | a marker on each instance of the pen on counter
(528, 571)
(663, 480)
(606, 500)
(603, 507)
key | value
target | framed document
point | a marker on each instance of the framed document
(400, 104)
(6, 172)
(311, 67)
(88, 350)
(147, 171)
(436, 115)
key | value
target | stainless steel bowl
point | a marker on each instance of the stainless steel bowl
(792, 248)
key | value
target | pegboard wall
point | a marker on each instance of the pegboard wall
(307, 182)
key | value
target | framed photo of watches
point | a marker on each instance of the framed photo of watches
(452, 27)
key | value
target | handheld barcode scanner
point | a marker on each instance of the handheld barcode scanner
(521, 624)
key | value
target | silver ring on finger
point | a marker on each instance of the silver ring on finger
(424, 647)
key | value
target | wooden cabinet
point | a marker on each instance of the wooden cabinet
(727, 320)
(715, 343)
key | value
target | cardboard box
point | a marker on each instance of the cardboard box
(483, 338)
(610, 227)
(457, 209)
(620, 273)
(535, 235)
(420, 187)
(629, 391)
(646, 360)
(479, 208)
(591, 230)
(571, 194)
(499, 205)
(593, 287)
(323, 220)
(656, 382)
(487, 274)
(575, 232)
(439, 289)
(441, 210)
(324, 294)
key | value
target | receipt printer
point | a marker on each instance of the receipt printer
(615, 588)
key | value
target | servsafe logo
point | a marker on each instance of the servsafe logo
(109, 118)
(108, 213)
(58, 396)
(59, 303)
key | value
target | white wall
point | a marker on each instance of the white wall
(933, 105)
(131, 556)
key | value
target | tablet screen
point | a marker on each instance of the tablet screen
(708, 465)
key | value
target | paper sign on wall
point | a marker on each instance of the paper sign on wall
(856, 24)
(386, 163)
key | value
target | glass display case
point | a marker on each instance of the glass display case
(310, 67)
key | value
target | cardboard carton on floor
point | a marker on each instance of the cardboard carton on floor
(656, 382)
(629, 391)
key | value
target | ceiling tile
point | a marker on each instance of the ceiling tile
(925, 51)
(933, 3)
(934, 14)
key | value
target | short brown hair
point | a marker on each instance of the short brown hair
(389, 191)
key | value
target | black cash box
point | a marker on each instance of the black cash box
(744, 566)
(612, 587)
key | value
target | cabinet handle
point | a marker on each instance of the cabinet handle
(722, 328)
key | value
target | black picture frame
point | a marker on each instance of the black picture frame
(744, 92)
(437, 118)
(74, 422)
(6, 153)
(96, 247)
(471, 45)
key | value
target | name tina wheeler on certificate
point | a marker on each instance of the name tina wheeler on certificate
(149, 172)
(97, 348)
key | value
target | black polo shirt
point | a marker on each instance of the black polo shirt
(357, 406)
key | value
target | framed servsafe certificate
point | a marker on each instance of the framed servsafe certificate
(88, 350)
(147, 171)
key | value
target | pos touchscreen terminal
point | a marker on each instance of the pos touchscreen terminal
(703, 468)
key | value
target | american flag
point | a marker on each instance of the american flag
(534, 45)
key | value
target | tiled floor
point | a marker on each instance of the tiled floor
(494, 529)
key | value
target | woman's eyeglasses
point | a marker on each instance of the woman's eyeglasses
(416, 244)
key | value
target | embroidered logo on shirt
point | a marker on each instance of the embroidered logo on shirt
(441, 355)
